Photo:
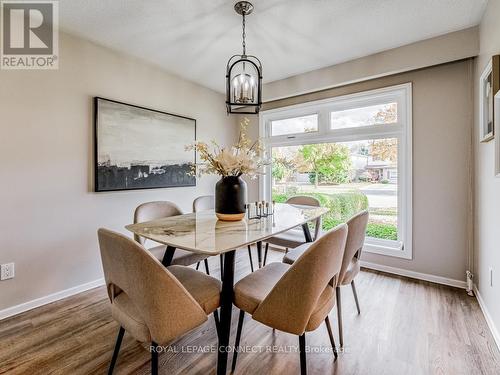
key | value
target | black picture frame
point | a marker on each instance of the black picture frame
(98, 183)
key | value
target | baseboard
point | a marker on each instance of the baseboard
(14, 310)
(415, 275)
(487, 316)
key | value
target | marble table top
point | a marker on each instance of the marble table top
(202, 232)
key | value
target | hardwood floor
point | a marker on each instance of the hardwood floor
(405, 327)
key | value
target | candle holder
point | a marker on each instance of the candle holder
(261, 209)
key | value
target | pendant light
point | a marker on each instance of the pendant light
(243, 75)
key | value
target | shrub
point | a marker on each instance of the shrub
(379, 230)
(384, 181)
(342, 207)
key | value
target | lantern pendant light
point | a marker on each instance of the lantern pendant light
(243, 75)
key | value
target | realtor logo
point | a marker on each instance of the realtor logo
(29, 34)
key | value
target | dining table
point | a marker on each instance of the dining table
(203, 233)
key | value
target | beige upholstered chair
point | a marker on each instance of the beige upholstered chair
(295, 237)
(153, 303)
(158, 210)
(207, 202)
(203, 203)
(350, 263)
(297, 298)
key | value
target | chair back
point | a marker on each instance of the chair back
(166, 307)
(204, 203)
(305, 200)
(291, 302)
(154, 210)
(355, 240)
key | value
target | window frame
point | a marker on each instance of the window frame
(401, 130)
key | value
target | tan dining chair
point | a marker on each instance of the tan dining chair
(295, 237)
(294, 298)
(159, 210)
(350, 264)
(207, 202)
(152, 303)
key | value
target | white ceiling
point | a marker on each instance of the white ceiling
(195, 38)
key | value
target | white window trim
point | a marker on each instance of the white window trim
(402, 130)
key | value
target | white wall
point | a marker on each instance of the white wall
(487, 186)
(49, 213)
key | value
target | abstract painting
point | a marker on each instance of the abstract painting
(141, 148)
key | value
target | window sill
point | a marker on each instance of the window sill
(387, 248)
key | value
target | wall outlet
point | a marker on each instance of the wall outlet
(491, 276)
(7, 271)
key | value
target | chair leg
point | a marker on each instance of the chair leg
(206, 267)
(119, 339)
(339, 315)
(238, 337)
(302, 349)
(330, 334)
(250, 256)
(154, 359)
(221, 266)
(216, 319)
(355, 296)
(265, 253)
(197, 266)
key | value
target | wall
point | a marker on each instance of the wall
(49, 213)
(487, 186)
(442, 117)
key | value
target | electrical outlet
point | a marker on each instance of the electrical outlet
(491, 276)
(7, 271)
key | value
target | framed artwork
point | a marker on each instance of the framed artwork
(141, 148)
(489, 84)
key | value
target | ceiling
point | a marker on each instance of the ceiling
(195, 38)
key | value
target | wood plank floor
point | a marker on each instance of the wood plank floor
(405, 327)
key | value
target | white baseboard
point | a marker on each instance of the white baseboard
(14, 310)
(415, 275)
(487, 316)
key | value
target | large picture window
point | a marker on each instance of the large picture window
(353, 153)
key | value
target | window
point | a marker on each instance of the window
(364, 116)
(357, 156)
(294, 125)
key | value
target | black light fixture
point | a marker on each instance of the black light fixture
(243, 75)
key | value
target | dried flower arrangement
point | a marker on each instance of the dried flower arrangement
(244, 158)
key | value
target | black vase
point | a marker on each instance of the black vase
(230, 198)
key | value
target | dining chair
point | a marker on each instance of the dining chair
(207, 202)
(159, 210)
(152, 303)
(295, 237)
(294, 298)
(350, 264)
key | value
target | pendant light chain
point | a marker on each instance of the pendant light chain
(244, 35)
